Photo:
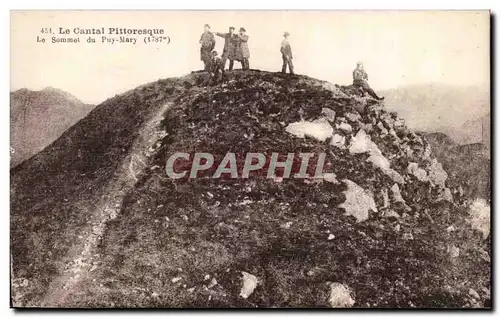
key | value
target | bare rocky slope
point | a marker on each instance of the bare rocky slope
(96, 222)
(468, 166)
(37, 118)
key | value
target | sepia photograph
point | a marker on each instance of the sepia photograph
(250, 159)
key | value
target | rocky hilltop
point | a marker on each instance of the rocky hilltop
(96, 221)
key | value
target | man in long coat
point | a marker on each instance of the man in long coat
(229, 50)
(360, 79)
(207, 41)
(286, 54)
(242, 51)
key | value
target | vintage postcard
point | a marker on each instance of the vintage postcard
(250, 159)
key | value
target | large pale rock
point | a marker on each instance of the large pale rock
(358, 201)
(396, 194)
(320, 130)
(362, 143)
(249, 284)
(437, 174)
(340, 296)
(479, 217)
(345, 127)
(338, 141)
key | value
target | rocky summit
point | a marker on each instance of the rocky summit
(97, 222)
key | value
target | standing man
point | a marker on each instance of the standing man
(207, 41)
(242, 51)
(360, 79)
(286, 54)
(229, 47)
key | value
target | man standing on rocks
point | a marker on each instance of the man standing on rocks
(286, 54)
(242, 51)
(229, 47)
(360, 79)
(207, 42)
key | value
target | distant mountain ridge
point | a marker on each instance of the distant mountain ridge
(37, 118)
(434, 107)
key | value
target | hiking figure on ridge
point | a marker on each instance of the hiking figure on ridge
(360, 78)
(286, 54)
(242, 53)
(229, 50)
(207, 41)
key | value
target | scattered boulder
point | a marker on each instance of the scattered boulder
(176, 279)
(345, 127)
(454, 251)
(330, 177)
(340, 296)
(358, 201)
(437, 174)
(479, 212)
(396, 194)
(385, 198)
(419, 173)
(352, 117)
(338, 141)
(445, 195)
(474, 294)
(383, 130)
(249, 284)
(213, 283)
(328, 113)
(391, 214)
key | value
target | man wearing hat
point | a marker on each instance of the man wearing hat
(286, 54)
(360, 79)
(216, 68)
(229, 47)
(242, 51)
(207, 42)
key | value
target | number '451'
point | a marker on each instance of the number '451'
(46, 30)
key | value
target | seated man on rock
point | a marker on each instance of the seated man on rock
(360, 79)
(216, 68)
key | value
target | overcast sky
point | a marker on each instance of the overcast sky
(397, 48)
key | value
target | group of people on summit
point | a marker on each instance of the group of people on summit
(236, 49)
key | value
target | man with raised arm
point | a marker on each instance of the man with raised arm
(229, 47)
